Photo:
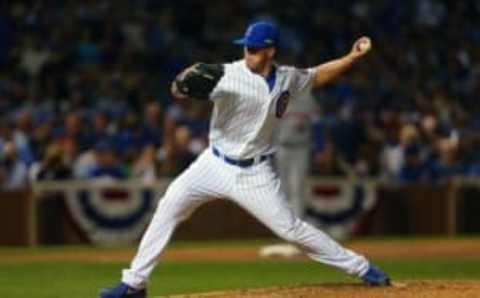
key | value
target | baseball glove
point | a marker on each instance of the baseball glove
(198, 81)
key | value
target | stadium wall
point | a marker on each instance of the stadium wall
(42, 215)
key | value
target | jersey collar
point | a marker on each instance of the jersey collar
(271, 79)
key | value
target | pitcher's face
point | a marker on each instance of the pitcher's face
(258, 58)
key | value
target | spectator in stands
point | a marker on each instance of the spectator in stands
(52, 166)
(68, 61)
(145, 167)
(174, 114)
(128, 138)
(325, 160)
(445, 163)
(413, 169)
(40, 138)
(178, 155)
(34, 56)
(192, 116)
(21, 136)
(100, 130)
(73, 131)
(84, 163)
(13, 171)
(349, 139)
(393, 158)
(106, 163)
(152, 129)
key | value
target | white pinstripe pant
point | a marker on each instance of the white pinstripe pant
(257, 190)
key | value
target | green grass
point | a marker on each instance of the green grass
(83, 280)
(42, 279)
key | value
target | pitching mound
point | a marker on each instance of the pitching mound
(413, 289)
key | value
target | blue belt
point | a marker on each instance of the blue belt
(243, 163)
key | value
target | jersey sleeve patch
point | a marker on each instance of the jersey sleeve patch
(282, 104)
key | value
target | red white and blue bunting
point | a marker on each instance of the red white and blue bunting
(338, 207)
(111, 215)
(120, 212)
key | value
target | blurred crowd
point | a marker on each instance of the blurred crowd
(84, 85)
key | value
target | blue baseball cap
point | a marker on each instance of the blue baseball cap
(259, 35)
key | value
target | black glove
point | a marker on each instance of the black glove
(198, 81)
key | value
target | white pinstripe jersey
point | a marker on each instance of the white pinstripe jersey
(246, 112)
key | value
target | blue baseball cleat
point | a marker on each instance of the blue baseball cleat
(376, 277)
(122, 290)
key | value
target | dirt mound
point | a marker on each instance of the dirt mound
(412, 289)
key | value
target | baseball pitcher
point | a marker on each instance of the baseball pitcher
(250, 97)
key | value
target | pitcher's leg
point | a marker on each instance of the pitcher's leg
(268, 204)
(283, 163)
(178, 204)
(322, 248)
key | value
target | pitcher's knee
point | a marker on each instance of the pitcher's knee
(291, 232)
(176, 205)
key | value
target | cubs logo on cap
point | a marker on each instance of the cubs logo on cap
(259, 35)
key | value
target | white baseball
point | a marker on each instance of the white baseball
(365, 45)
